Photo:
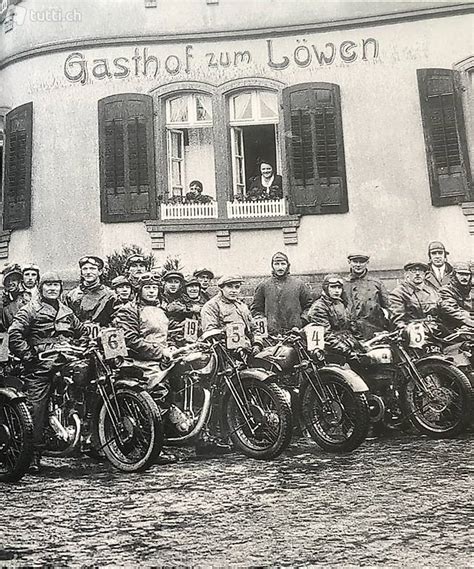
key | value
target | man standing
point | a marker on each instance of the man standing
(14, 296)
(135, 266)
(36, 328)
(283, 299)
(31, 276)
(204, 277)
(439, 269)
(413, 299)
(455, 308)
(92, 301)
(366, 297)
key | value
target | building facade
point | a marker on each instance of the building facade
(108, 110)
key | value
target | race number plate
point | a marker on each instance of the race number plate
(113, 342)
(235, 334)
(416, 334)
(314, 337)
(3, 346)
(191, 330)
(93, 329)
(262, 326)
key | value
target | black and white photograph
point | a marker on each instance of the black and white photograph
(236, 283)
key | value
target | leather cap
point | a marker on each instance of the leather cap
(120, 281)
(93, 260)
(136, 259)
(437, 246)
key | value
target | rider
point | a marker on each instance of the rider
(226, 308)
(413, 299)
(14, 296)
(31, 276)
(204, 277)
(135, 266)
(439, 270)
(174, 303)
(366, 296)
(331, 312)
(193, 297)
(455, 306)
(92, 301)
(37, 327)
(123, 290)
(283, 299)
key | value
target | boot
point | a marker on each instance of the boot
(166, 458)
(206, 444)
(35, 466)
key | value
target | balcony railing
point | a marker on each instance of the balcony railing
(189, 211)
(263, 208)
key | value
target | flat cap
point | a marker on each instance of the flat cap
(119, 281)
(462, 267)
(229, 279)
(202, 272)
(191, 280)
(362, 256)
(416, 265)
(173, 275)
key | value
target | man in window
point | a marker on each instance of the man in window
(413, 299)
(282, 299)
(267, 185)
(366, 296)
(195, 194)
(92, 301)
(439, 269)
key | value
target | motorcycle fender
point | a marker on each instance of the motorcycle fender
(11, 394)
(435, 358)
(258, 374)
(357, 384)
(131, 383)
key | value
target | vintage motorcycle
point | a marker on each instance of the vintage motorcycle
(97, 398)
(459, 347)
(16, 425)
(212, 388)
(329, 400)
(411, 380)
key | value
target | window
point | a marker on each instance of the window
(17, 190)
(190, 145)
(315, 149)
(445, 137)
(126, 155)
(253, 121)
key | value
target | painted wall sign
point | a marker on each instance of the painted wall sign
(78, 68)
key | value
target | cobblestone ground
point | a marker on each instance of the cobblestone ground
(395, 502)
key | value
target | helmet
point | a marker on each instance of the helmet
(135, 259)
(10, 270)
(146, 279)
(50, 277)
(93, 260)
(436, 246)
(332, 278)
(31, 267)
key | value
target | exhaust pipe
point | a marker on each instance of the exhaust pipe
(178, 441)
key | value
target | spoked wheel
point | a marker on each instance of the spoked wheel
(65, 440)
(16, 440)
(263, 428)
(133, 439)
(341, 422)
(442, 409)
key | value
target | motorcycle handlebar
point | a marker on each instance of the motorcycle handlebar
(66, 350)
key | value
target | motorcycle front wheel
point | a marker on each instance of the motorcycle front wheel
(263, 428)
(339, 423)
(16, 440)
(442, 408)
(131, 435)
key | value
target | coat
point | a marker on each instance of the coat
(218, 312)
(284, 301)
(408, 303)
(432, 280)
(145, 329)
(257, 191)
(11, 306)
(94, 304)
(334, 317)
(38, 325)
(366, 297)
(455, 307)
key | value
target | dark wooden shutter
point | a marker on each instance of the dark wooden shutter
(445, 137)
(127, 168)
(315, 147)
(17, 178)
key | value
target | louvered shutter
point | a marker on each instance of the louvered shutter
(17, 178)
(127, 170)
(315, 148)
(445, 138)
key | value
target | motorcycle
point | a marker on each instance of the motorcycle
(212, 389)
(459, 346)
(97, 398)
(16, 426)
(411, 380)
(329, 400)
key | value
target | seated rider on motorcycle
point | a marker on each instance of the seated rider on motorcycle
(455, 306)
(37, 327)
(413, 299)
(330, 311)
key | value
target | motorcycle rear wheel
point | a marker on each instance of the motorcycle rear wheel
(140, 437)
(266, 433)
(57, 446)
(342, 423)
(16, 440)
(445, 411)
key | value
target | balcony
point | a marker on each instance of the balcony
(263, 208)
(188, 211)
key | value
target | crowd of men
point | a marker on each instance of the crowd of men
(152, 308)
